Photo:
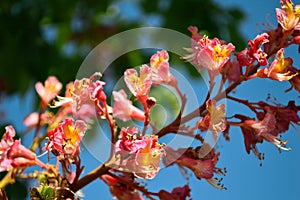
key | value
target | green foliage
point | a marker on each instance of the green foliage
(44, 37)
(17, 190)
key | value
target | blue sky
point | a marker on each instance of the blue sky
(277, 179)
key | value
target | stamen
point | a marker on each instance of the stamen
(215, 182)
(38, 156)
(260, 156)
(221, 171)
(280, 144)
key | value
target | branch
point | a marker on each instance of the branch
(90, 177)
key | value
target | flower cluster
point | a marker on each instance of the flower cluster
(140, 154)
(65, 139)
(248, 56)
(14, 155)
(202, 166)
(211, 54)
(136, 150)
(214, 120)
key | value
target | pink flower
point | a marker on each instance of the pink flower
(201, 167)
(257, 131)
(257, 42)
(295, 81)
(195, 35)
(284, 116)
(140, 154)
(178, 193)
(82, 96)
(244, 58)
(32, 119)
(215, 119)
(247, 57)
(98, 92)
(123, 108)
(120, 190)
(49, 90)
(288, 17)
(88, 90)
(148, 158)
(65, 139)
(13, 154)
(279, 69)
(232, 70)
(128, 140)
(139, 86)
(210, 54)
(159, 64)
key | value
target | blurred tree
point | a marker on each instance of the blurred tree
(45, 37)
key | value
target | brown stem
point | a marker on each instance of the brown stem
(90, 177)
(245, 102)
(110, 121)
(173, 127)
(198, 112)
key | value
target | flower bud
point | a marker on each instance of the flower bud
(296, 40)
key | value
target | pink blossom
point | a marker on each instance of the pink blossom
(109, 180)
(65, 139)
(232, 70)
(261, 57)
(13, 154)
(31, 120)
(288, 17)
(195, 35)
(276, 120)
(82, 96)
(284, 116)
(49, 90)
(34, 118)
(159, 64)
(215, 119)
(247, 57)
(210, 54)
(257, 42)
(279, 69)
(128, 140)
(178, 193)
(257, 131)
(86, 112)
(123, 108)
(141, 154)
(244, 58)
(87, 90)
(120, 190)
(98, 92)
(201, 168)
(295, 81)
(204, 167)
(139, 86)
(148, 158)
